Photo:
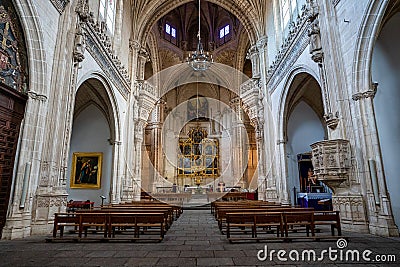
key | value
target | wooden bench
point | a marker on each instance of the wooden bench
(254, 221)
(62, 220)
(299, 218)
(136, 221)
(331, 218)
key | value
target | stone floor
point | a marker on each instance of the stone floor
(193, 240)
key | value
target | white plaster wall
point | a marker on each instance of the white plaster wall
(89, 134)
(386, 71)
(304, 128)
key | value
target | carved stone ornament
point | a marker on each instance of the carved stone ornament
(60, 5)
(367, 94)
(79, 45)
(331, 161)
(315, 42)
(332, 120)
(82, 8)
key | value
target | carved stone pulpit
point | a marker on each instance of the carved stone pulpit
(331, 161)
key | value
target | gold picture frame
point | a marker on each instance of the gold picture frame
(86, 170)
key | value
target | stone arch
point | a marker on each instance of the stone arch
(237, 8)
(111, 114)
(287, 95)
(34, 45)
(368, 34)
(299, 69)
(363, 88)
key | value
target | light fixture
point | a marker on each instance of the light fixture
(199, 60)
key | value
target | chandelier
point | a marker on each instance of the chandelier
(199, 60)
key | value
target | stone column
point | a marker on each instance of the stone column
(238, 140)
(317, 55)
(155, 127)
(51, 196)
(116, 175)
(381, 216)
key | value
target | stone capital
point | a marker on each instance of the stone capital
(367, 94)
(134, 45)
(262, 43)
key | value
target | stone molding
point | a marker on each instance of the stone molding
(367, 94)
(60, 5)
(37, 96)
(98, 44)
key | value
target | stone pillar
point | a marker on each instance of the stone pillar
(51, 196)
(116, 182)
(18, 224)
(155, 127)
(238, 140)
(317, 55)
(381, 220)
(130, 128)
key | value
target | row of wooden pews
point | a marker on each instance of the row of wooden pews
(261, 220)
(141, 220)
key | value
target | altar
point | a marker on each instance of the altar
(310, 200)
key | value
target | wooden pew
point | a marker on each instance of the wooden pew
(331, 218)
(299, 218)
(62, 220)
(254, 221)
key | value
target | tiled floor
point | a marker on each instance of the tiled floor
(193, 240)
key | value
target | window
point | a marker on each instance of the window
(170, 33)
(170, 30)
(107, 13)
(289, 10)
(224, 31)
(224, 35)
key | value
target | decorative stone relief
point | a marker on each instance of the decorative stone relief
(147, 98)
(352, 210)
(98, 44)
(250, 95)
(315, 42)
(331, 161)
(60, 5)
(79, 45)
(252, 54)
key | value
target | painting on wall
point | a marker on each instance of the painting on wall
(86, 170)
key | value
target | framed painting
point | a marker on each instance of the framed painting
(86, 170)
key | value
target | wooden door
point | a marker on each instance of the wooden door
(12, 107)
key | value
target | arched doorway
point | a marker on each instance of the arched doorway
(385, 71)
(303, 126)
(91, 152)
